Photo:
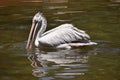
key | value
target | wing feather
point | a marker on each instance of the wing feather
(63, 34)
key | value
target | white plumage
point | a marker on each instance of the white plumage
(63, 36)
(65, 33)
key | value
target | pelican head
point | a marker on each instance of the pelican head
(37, 19)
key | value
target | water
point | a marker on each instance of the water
(99, 18)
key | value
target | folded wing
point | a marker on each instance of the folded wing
(65, 33)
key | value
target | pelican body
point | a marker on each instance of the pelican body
(63, 36)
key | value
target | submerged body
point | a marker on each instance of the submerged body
(63, 36)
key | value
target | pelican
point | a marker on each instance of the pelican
(64, 36)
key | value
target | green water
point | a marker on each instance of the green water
(99, 18)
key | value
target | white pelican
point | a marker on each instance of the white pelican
(63, 36)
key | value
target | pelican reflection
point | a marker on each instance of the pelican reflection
(61, 62)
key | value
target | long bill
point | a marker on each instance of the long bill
(31, 36)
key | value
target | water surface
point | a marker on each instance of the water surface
(99, 18)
